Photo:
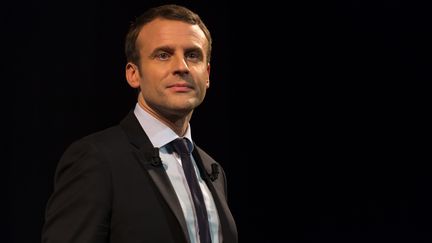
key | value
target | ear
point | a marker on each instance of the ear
(132, 75)
(208, 76)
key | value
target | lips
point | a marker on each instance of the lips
(181, 87)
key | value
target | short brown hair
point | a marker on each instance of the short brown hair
(170, 12)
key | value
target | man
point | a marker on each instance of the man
(128, 183)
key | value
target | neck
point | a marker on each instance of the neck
(178, 124)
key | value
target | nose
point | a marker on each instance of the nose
(180, 66)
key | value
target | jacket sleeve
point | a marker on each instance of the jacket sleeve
(79, 209)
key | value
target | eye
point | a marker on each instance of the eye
(193, 56)
(163, 56)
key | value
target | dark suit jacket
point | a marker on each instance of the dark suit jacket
(111, 187)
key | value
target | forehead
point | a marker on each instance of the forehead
(162, 32)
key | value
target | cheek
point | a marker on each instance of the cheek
(149, 80)
(203, 89)
(204, 78)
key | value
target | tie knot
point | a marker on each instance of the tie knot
(181, 145)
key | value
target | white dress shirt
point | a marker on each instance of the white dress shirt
(160, 136)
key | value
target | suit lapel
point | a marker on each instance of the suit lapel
(148, 157)
(227, 223)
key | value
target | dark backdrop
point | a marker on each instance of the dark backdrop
(316, 111)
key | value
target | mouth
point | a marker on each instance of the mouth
(181, 87)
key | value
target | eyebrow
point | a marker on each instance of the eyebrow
(171, 50)
(162, 48)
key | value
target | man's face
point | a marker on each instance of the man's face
(173, 73)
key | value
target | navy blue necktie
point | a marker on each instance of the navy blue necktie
(181, 149)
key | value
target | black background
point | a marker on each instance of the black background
(316, 111)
